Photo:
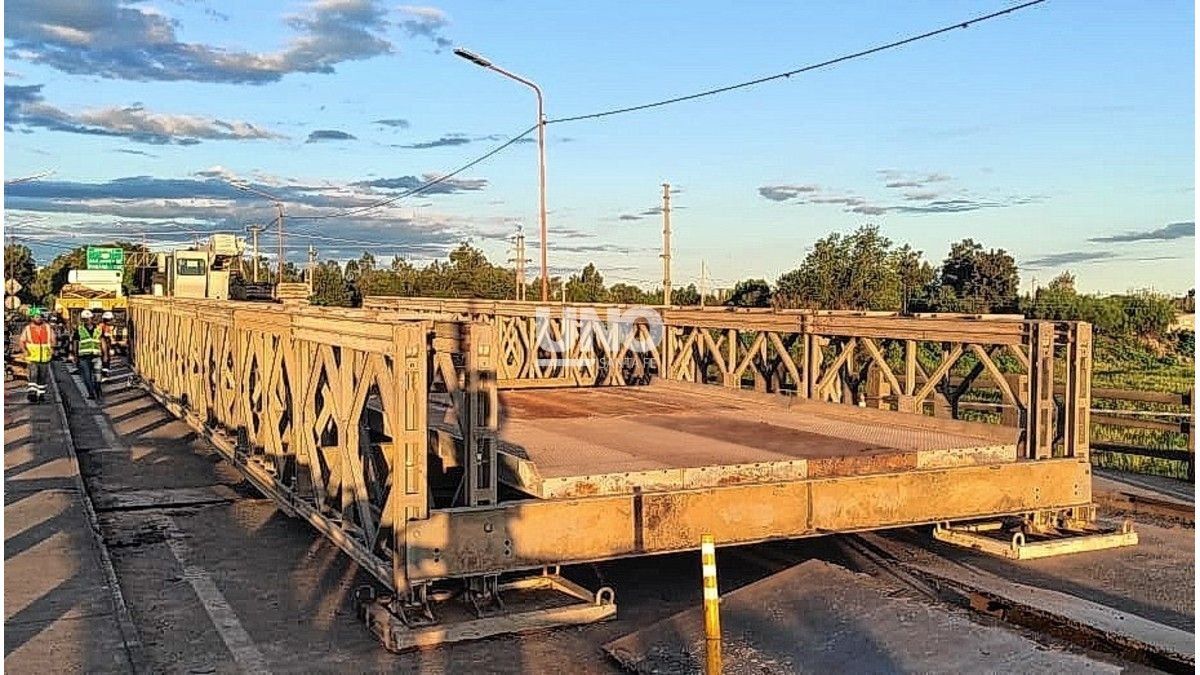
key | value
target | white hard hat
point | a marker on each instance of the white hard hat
(85, 314)
(106, 315)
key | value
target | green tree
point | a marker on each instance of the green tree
(916, 279)
(471, 275)
(52, 277)
(19, 265)
(1149, 314)
(1064, 282)
(981, 280)
(329, 286)
(855, 271)
(626, 294)
(587, 286)
(750, 293)
(687, 296)
(1059, 301)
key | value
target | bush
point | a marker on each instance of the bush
(1185, 343)
(1148, 314)
(1143, 314)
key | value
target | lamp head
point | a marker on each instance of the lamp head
(472, 57)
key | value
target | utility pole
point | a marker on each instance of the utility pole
(279, 205)
(666, 254)
(703, 282)
(520, 260)
(254, 230)
(312, 266)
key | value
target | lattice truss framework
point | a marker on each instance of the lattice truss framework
(328, 410)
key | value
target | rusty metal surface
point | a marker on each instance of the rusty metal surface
(577, 442)
(536, 532)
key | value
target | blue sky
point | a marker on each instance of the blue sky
(1063, 133)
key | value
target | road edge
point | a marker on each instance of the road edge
(132, 640)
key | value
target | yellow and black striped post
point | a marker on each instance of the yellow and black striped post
(712, 605)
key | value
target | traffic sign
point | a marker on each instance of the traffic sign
(12, 287)
(105, 258)
(12, 302)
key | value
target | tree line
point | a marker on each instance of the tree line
(860, 270)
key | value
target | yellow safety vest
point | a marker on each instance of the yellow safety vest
(89, 343)
(35, 351)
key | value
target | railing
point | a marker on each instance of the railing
(898, 363)
(327, 410)
(1173, 415)
(1169, 417)
(882, 359)
(555, 344)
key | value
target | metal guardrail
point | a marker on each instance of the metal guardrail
(885, 359)
(1184, 423)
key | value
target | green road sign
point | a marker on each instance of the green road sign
(105, 258)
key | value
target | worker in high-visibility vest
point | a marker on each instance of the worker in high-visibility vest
(107, 335)
(36, 342)
(88, 350)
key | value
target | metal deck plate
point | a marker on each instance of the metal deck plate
(561, 443)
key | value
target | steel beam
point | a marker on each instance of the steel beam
(530, 534)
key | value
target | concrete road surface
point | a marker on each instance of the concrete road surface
(60, 611)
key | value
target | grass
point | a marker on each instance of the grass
(1154, 466)
(1129, 364)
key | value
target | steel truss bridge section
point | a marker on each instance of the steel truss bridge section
(395, 429)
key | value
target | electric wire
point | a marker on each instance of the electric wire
(628, 109)
(803, 69)
(420, 188)
(678, 99)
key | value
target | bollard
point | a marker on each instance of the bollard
(712, 606)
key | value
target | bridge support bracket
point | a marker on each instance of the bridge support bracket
(1041, 534)
(531, 603)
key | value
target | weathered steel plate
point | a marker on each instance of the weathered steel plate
(566, 443)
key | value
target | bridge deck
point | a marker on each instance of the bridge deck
(560, 443)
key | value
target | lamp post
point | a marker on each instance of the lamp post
(279, 218)
(541, 126)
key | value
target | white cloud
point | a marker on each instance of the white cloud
(24, 106)
(122, 40)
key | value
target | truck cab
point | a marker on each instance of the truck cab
(202, 272)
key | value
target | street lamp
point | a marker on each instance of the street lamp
(541, 126)
(279, 207)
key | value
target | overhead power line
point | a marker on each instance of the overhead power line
(678, 99)
(363, 242)
(802, 69)
(424, 186)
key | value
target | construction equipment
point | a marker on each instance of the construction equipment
(202, 271)
(98, 290)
